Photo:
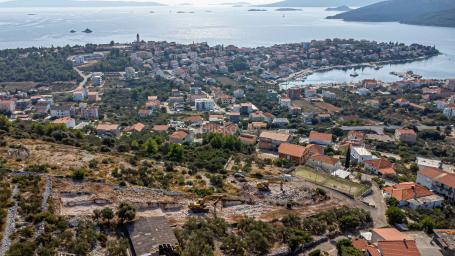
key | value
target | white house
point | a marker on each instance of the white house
(61, 111)
(67, 121)
(361, 154)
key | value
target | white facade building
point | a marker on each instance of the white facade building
(361, 154)
(204, 104)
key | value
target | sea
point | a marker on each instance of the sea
(26, 27)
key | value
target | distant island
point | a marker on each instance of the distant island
(73, 31)
(287, 9)
(87, 30)
(415, 12)
(73, 3)
(257, 10)
(342, 8)
(234, 4)
(319, 3)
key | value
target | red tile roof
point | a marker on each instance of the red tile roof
(291, 150)
(407, 191)
(360, 244)
(107, 126)
(398, 248)
(138, 127)
(180, 135)
(248, 139)
(431, 172)
(448, 180)
(313, 149)
(439, 175)
(385, 171)
(389, 234)
(378, 163)
(406, 131)
(325, 159)
(160, 128)
(320, 136)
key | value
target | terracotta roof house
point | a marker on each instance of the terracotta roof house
(216, 118)
(144, 112)
(180, 137)
(406, 135)
(326, 163)
(67, 121)
(379, 166)
(269, 140)
(387, 234)
(320, 138)
(413, 195)
(314, 149)
(161, 128)
(107, 130)
(398, 248)
(293, 153)
(363, 246)
(438, 180)
(257, 126)
(356, 136)
(248, 139)
(153, 104)
(193, 120)
(137, 127)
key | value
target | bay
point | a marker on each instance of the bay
(223, 25)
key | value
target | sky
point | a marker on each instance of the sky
(205, 2)
(198, 2)
(194, 2)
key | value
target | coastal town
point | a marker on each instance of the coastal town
(161, 148)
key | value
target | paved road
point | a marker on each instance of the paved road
(378, 215)
(379, 129)
(83, 82)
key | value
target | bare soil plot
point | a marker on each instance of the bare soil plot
(308, 106)
(61, 158)
(328, 107)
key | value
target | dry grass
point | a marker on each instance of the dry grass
(326, 180)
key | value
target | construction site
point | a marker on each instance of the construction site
(264, 201)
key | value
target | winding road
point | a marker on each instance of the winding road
(81, 85)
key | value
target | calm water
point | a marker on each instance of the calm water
(221, 25)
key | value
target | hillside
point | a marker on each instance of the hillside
(443, 19)
(320, 3)
(342, 8)
(419, 12)
(73, 3)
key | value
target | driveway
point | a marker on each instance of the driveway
(424, 244)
